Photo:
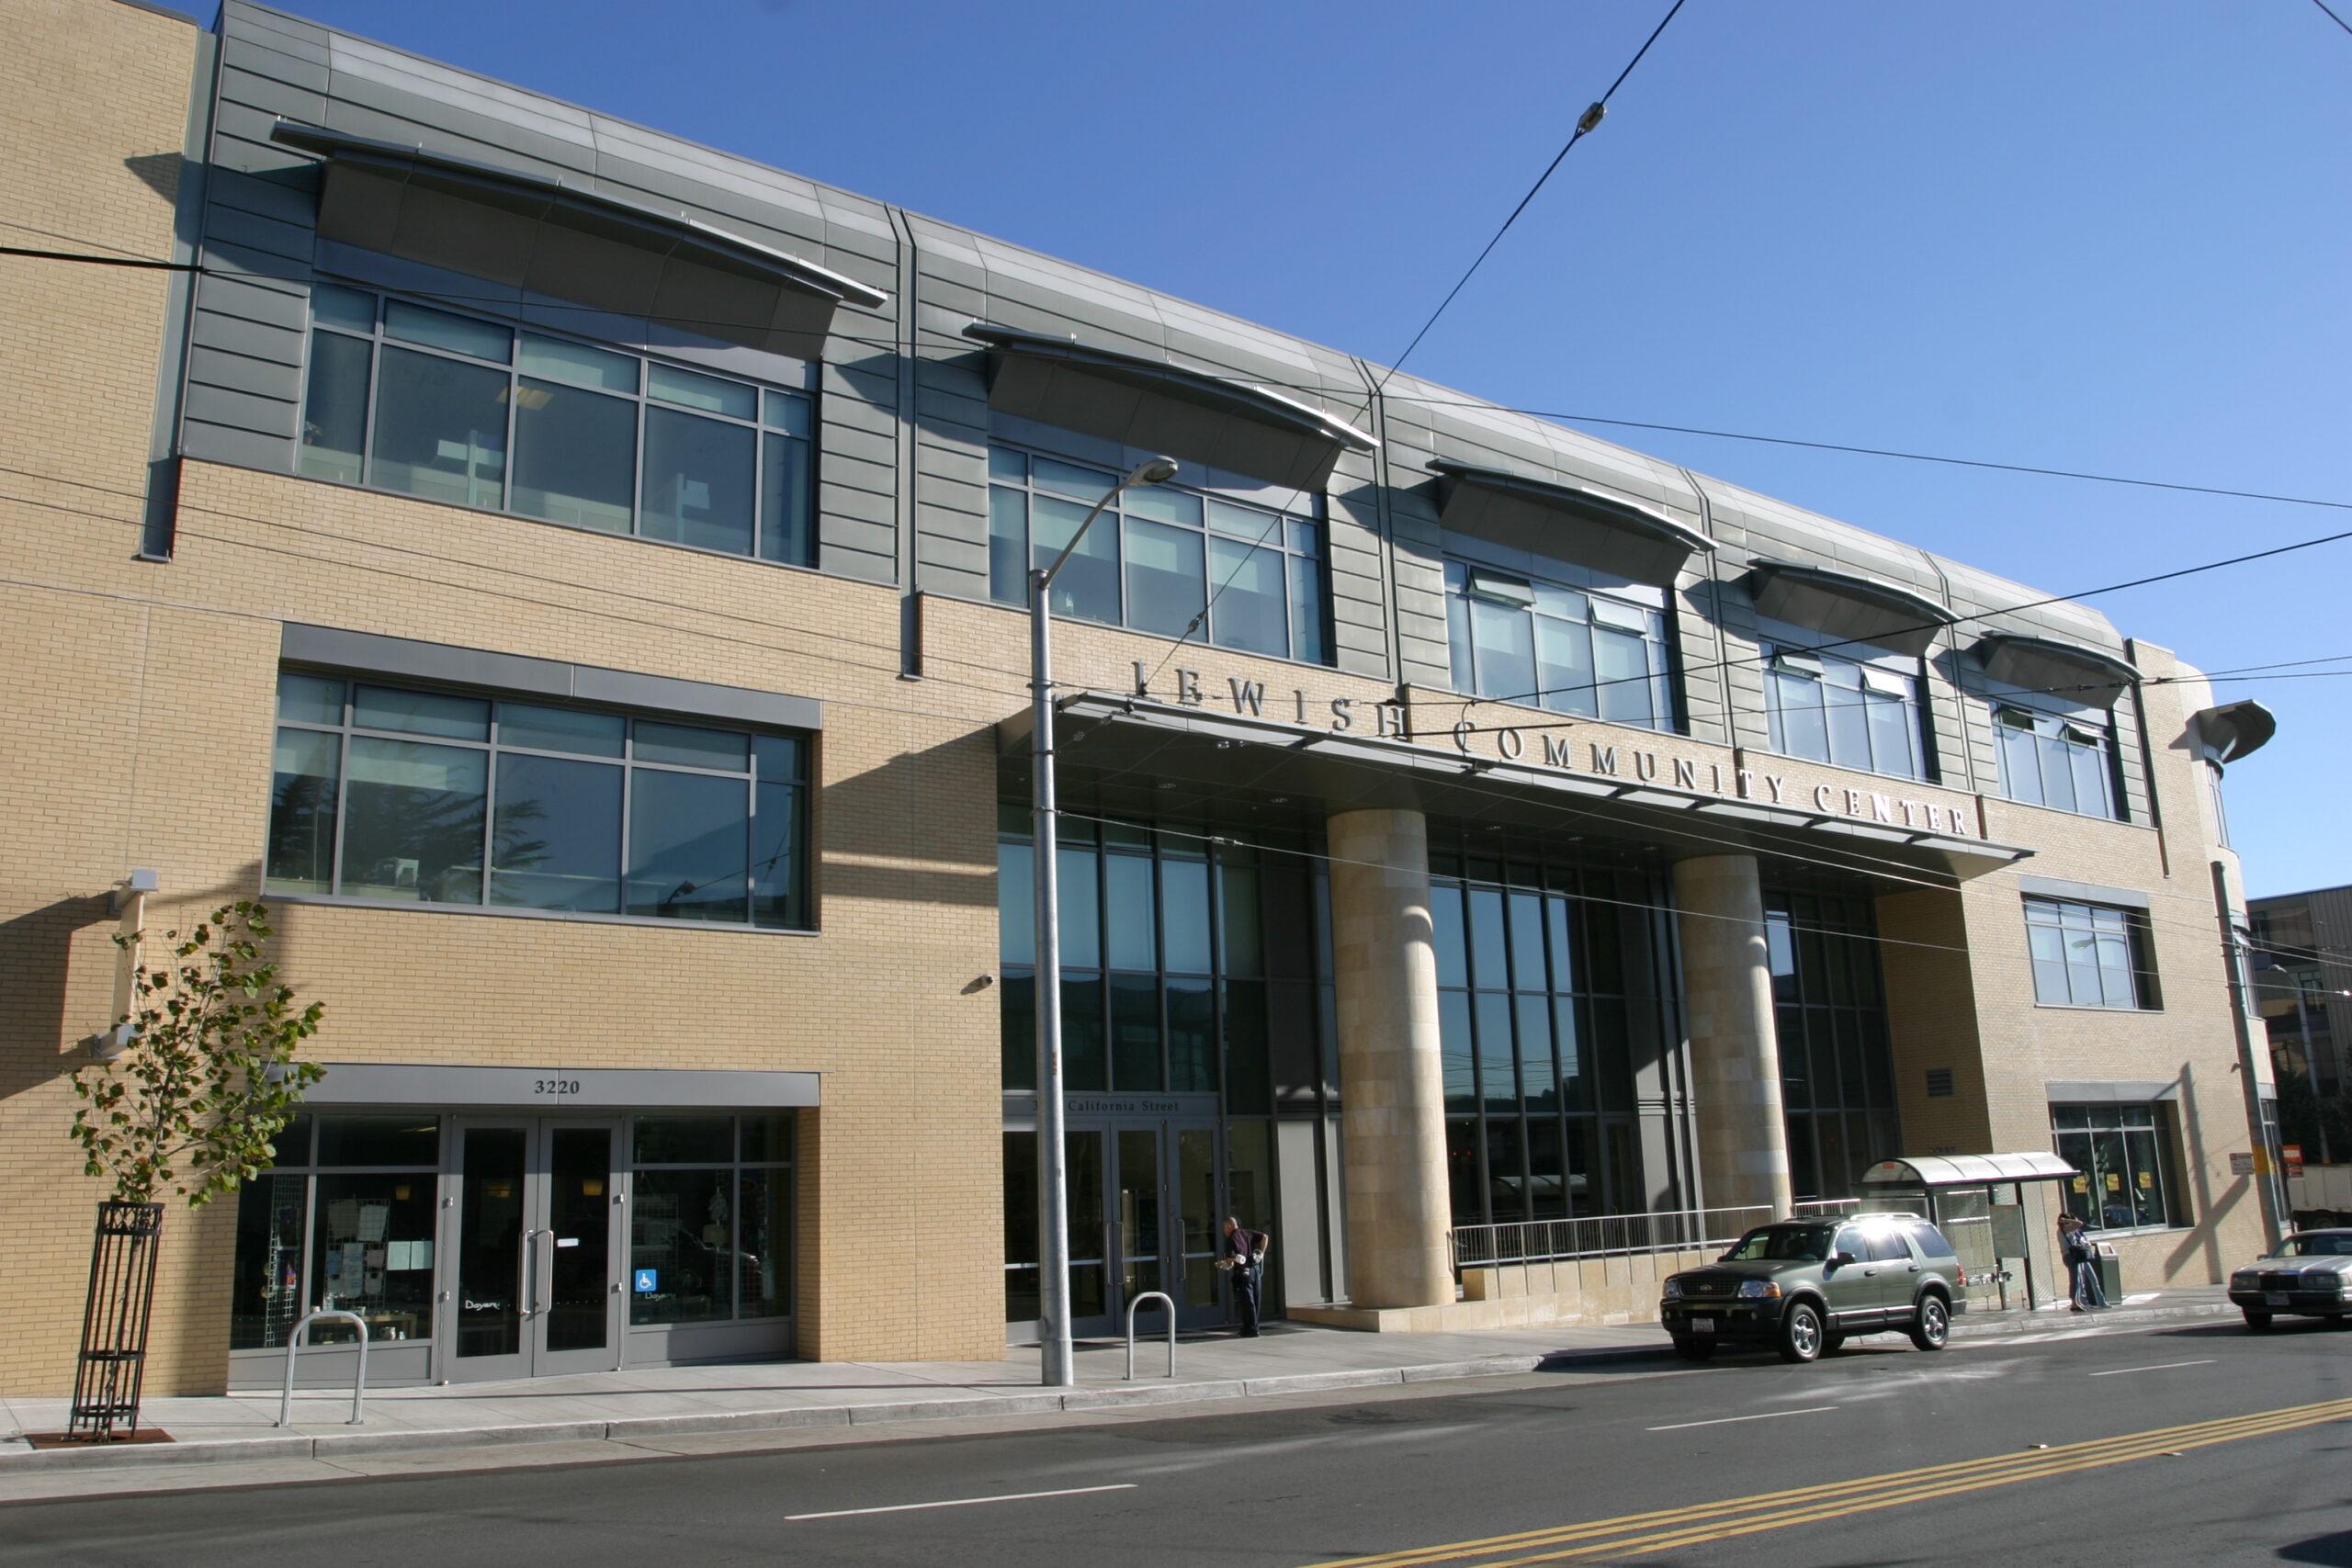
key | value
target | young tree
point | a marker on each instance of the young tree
(210, 1077)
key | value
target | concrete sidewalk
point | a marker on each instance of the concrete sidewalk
(742, 1399)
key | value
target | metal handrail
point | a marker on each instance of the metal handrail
(1151, 1296)
(1614, 1235)
(358, 1382)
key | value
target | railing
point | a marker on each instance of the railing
(294, 1343)
(1151, 1296)
(1618, 1235)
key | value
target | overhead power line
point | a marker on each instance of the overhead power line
(1586, 123)
(2332, 17)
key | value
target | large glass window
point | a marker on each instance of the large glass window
(1829, 1015)
(1850, 712)
(2064, 761)
(2125, 1177)
(475, 413)
(345, 1220)
(408, 795)
(2090, 955)
(710, 1218)
(1547, 996)
(1159, 556)
(1190, 964)
(1520, 639)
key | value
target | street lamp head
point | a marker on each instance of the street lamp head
(1152, 471)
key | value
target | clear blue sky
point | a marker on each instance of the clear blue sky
(2085, 235)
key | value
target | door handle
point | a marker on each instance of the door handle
(530, 1271)
(547, 1275)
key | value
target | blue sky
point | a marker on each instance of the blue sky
(2089, 236)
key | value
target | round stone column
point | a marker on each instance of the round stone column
(1391, 1088)
(1735, 1049)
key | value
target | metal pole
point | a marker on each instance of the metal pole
(1058, 1366)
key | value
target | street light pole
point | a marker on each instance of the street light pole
(1059, 1367)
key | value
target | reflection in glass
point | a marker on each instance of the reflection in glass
(575, 456)
(265, 1290)
(301, 811)
(680, 1228)
(440, 429)
(360, 1226)
(1165, 586)
(788, 527)
(698, 486)
(1251, 610)
(413, 824)
(688, 838)
(556, 841)
(335, 409)
(763, 1224)
(1087, 587)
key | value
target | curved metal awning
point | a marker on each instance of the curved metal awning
(1636, 539)
(1155, 405)
(1847, 604)
(538, 234)
(2091, 675)
(2231, 730)
(1967, 1170)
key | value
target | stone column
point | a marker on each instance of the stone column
(1735, 1049)
(1391, 1088)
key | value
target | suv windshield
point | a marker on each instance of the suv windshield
(2338, 1245)
(1781, 1243)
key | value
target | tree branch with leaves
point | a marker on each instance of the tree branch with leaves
(193, 1107)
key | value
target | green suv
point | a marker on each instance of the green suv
(1807, 1286)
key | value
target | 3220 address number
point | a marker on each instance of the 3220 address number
(555, 1088)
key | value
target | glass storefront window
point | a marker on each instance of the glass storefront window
(1837, 1082)
(710, 1218)
(2121, 1153)
(351, 1229)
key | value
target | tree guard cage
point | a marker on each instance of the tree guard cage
(114, 1320)
(1985, 1203)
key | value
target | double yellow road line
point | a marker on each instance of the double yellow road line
(1632, 1535)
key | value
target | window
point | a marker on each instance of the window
(363, 1197)
(476, 414)
(398, 795)
(2065, 762)
(1850, 712)
(710, 1218)
(1546, 998)
(1160, 558)
(2122, 1158)
(1519, 640)
(2090, 955)
(1829, 1015)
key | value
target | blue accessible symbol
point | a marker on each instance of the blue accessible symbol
(648, 1281)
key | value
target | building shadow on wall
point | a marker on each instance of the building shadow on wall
(159, 172)
(919, 828)
(2209, 1212)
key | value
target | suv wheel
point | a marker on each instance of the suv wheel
(1801, 1335)
(1931, 1324)
(2256, 1319)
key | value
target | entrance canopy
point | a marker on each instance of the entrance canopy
(1933, 1171)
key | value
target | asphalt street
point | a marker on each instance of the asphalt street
(2190, 1444)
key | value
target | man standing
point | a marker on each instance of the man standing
(1245, 1254)
(2076, 1249)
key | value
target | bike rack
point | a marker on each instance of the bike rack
(358, 1384)
(1151, 1296)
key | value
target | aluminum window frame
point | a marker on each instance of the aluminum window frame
(1825, 671)
(802, 786)
(2123, 1120)
(1468, 579)
(2073, 919)
(2071, 736)
(629, 1167)
(759, 424)
(1277, 540)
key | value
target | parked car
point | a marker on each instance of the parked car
(2309, 1276)
(1807, 1286)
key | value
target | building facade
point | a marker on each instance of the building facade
(2302, 962)
(576, 577)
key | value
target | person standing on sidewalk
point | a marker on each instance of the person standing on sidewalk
(2081, 1257)
(1245, 1254)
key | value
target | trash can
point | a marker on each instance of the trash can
(2110, 1272)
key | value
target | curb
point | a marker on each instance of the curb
(328, 1446)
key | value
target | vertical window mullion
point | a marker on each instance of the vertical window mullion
(368, 423)
(342, 795)
(628, 790)
(637, 470)
(506, 478)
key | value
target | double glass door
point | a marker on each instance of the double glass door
(1163, 1225)
(537, 1280)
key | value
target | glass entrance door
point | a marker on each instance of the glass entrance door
(536, 1281)
(1165, 1219)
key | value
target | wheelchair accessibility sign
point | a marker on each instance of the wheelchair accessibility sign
(647, 1280)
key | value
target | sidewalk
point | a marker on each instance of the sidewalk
(657, 1405)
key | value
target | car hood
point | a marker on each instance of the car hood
(2306, 1267)
(1723, 1278)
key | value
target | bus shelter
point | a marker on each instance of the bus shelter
(1992, 1206)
